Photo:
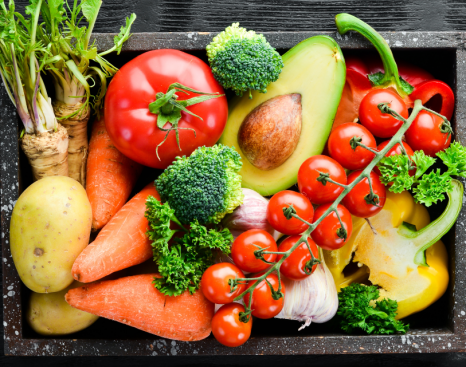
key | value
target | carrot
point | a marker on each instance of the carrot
(120, 244)
(135, 302)
(110, 176)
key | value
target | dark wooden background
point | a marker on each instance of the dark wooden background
(268, 15)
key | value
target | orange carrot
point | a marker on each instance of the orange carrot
(120, 244)
(135, 302)
(110, 176)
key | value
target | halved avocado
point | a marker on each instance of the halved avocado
(315, 69)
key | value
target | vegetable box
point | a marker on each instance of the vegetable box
(439, 328)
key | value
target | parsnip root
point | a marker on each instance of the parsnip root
(77, 131)
(47, 153)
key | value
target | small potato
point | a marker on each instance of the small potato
(49, 314)
(50, 226)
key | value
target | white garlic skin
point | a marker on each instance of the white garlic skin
(252, 214)
(313, 299)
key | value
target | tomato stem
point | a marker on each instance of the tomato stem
(372, 197)
(301, 219)
(310, 264)
(325, 177)
(274, 252)
(341, 232)
(396, 139)
(356, 142)
(168, 109)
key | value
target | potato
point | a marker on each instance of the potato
(50, 226)
(49, 314)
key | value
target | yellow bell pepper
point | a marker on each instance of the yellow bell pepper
(410, 266)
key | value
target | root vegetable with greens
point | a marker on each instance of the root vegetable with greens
(69, 64)
(44, 142)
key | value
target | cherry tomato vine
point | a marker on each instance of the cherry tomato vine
(290, 212)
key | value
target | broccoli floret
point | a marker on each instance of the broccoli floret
(243, 60)
(204, 186)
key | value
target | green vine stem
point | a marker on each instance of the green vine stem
(396, 139)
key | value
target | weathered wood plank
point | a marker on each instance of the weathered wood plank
(278, 15)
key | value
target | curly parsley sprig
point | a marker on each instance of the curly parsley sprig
(182, 260)
(428, 188)
(359, 309)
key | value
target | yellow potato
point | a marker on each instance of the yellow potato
(49, 314)
(50, 226)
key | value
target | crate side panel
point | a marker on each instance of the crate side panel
(9, 180)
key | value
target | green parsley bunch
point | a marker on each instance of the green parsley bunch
(359, 309)
(428, 188)
(182, 260)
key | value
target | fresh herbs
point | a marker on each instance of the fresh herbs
(428, 188)
(182, 262)
(359, 309)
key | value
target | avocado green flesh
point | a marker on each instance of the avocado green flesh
(314, 68)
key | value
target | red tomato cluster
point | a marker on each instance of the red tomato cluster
(321, 181)
(427, 132)
(255, 251)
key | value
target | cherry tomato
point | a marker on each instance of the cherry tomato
(227, 327)
(284, 199)
(396, 149)
(358, 200)
(315, 190)
(263, 305)
(326, 234)
(425, 134)
(242, 250)
(340, 149)
(294, 266)
(133, 128)
(214, 283)
(381, 124)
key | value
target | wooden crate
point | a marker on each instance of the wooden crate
(440, 328)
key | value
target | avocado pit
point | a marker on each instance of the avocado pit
(270, 133)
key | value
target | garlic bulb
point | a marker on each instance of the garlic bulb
(252, 214)
(313, 299)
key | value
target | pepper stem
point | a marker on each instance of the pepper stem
(346, 22)
(427, 236)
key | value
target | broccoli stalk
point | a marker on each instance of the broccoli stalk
(243, 60)
(204, 186)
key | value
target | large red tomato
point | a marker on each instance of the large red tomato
(133, 128)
